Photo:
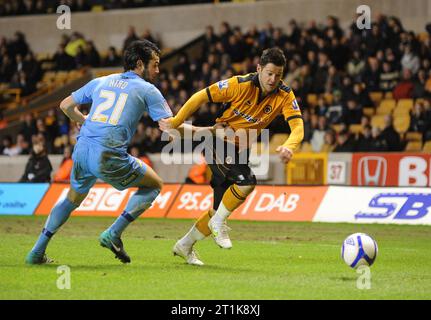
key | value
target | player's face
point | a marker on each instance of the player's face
(152, 69)
(269, 76)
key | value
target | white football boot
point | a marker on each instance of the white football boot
(220, 233)
(187, 253)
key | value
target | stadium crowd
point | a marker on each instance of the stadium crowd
(25, 7)
(322, 60)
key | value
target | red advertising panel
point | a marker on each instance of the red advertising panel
(271, 203)
(391, 169)
(104, 200)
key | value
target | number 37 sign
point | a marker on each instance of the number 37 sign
(336, 172)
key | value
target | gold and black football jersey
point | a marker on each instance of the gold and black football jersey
(243, 104)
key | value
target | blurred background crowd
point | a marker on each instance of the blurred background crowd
(340, 78)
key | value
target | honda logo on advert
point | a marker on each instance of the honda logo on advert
(372, 170)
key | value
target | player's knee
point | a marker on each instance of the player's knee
(75, 197)
(158, 183)
(249, 188)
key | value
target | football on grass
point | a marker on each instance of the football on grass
(359, 249)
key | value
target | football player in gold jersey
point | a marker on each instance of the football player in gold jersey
(249, 102)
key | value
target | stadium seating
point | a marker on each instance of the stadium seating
(413, 136)
(414, 146)
(386, 106)
(427, 147)
(403, 106)
(401, 123)
(368, 111)
(376, 97)
(378, 121)
(355, 128)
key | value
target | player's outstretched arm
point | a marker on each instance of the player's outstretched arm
(187, 130)
(70, 108)
(292, 143)
(185, 112)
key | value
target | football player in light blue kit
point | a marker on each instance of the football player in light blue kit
(118, 102)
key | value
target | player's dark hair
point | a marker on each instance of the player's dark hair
(139, 50)
(274, 56)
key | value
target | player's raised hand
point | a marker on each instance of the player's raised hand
(165, 124)
(285, 154)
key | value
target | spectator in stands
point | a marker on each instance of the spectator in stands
(63, 172)
(131, 36)
(410, 60)
(404, 89)
(210, 39)
(48, 138)
(293, 71)
(321, 73)
(388, 77)
(20, 81)
(147, 35)
(329, 141)
(318, 136)
(51, 123)
(419, 121)
(333, 82)
(361, 96)
(62, 60)
(18, 45)
(112, 59)
(28, 126)
(419, 85)
(92, 57)
(32, 68)
(7, 68)
(356, 65)
(22, 146)
(371, 74)
(76, 41)
(6, 145)
(321, 108)
(344, 142)
(352, 112)
(38, 167)
(390, 135)
(364, 140)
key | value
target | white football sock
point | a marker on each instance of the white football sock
(191, 237)
(221, 215)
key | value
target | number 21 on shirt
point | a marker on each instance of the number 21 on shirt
(110, 97)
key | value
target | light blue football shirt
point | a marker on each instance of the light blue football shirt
(118, 101)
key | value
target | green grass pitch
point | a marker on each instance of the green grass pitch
(269, 260)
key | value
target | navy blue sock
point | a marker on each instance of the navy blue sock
(58, 216)
(138, 203)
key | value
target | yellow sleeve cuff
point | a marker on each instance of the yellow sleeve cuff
(297, 134)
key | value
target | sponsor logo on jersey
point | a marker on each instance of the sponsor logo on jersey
(223, 84)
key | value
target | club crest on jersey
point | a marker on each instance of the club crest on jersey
(267, 109)
(295, 105)
(223, 84)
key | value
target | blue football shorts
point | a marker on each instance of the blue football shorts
(92, 161)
